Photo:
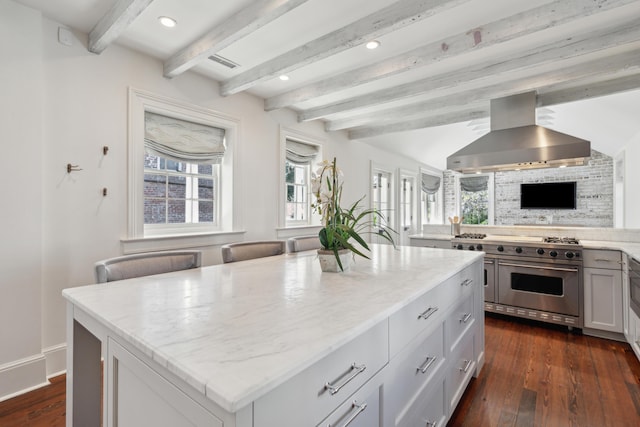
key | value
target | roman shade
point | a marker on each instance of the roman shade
(430, 183)
(299, 152)
(474, 183)
(181, 140)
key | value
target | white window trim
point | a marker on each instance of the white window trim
(288, 133)
(492, 199)
(141, 101)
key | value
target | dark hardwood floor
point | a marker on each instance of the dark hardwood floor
(541, 375)
(534, 375)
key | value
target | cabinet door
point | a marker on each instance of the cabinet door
(141, 397)
(603, 299)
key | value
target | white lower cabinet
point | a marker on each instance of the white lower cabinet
(429, 407)
(141, 397)
(603, 306)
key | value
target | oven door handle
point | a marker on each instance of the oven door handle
(538, 267)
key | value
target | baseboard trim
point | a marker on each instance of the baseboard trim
(56, 358)
(22, 376)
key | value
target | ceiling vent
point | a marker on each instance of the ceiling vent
(224, 61)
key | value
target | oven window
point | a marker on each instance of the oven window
(537, 284)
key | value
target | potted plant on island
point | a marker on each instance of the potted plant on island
(342, 224)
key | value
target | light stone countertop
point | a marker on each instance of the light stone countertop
(236, 331)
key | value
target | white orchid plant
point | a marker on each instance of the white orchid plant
(340, 225)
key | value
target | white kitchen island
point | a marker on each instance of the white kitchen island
(275, 341)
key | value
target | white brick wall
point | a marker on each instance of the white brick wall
(594, 198)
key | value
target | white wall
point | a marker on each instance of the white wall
(65, 105)
(21, 361)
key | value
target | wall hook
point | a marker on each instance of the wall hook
(104, 191)
(105, 150)
(73, 168)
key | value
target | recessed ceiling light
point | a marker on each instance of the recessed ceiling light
(373, 44)
(284, 78)
(167, 22)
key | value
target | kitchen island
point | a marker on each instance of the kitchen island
(275, 341)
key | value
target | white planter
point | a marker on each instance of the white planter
(329, 263)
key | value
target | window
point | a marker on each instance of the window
(301, 154)
(179, 192)
(430, 195)
(476, 199)
(180, 168)
(381, 195)
(406, 203)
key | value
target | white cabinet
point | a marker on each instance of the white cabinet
(603, 308)
(436, 347)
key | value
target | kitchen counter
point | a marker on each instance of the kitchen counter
(235, 331)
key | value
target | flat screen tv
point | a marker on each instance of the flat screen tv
(548, 195)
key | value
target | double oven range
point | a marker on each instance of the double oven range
(531, 277)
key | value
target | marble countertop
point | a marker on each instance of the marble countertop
(236, 331)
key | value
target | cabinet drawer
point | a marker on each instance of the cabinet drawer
(461, 368)
(597, 258)
(428, 409)
(431, 243)
(428, 310)
(310, 396)
(460, 320)
(413, 370)
(360, 410)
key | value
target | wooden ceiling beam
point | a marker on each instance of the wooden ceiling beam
(488, 71)
(491, 34)
(114, 23)
(243, 23)
(625, 63)
(377, 24)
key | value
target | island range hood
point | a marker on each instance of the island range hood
(515, 142)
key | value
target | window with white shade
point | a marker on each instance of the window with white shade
(430, 199)
(180, 168)
(181, 171)
(475, 198)
(301, 154)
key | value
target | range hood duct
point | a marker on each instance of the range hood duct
(515, 142)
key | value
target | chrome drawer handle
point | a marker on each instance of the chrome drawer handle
(427, 313)
(432, 424)
(608, 260)
(465, 318)
(333, 389)
(466, 282)
(467, 364)
(360, 410)
(427, 364)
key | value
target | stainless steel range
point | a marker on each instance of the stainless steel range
(531, 277)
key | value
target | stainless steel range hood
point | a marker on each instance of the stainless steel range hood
(515, 142)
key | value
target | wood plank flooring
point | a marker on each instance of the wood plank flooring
(541, 375)
(534, 375)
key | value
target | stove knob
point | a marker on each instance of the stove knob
(540, 251)
(471, 248)
(553, 254)
(568, 254)
(479, 247)
(500, 248)
(519, 250)
(459, 247)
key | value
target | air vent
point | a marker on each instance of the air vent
(223, 61)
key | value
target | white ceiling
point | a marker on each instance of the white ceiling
(564, 60)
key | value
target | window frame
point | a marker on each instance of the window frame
(390, 213)
(313, 220)
(141, 101)
(490, 195)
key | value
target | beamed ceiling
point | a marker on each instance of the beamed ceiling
(439, 63)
